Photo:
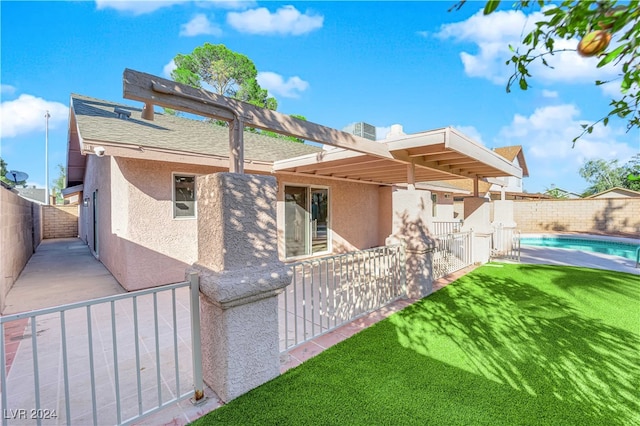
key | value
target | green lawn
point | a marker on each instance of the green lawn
(504, 345)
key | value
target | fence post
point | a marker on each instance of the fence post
(403, 268)
(198, 383)
(472, 241)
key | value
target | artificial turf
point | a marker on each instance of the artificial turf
(503, 345)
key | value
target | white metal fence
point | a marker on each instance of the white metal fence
(330, 291)
(111, 360)
(451, 253)
(505, 243)
(443, 227)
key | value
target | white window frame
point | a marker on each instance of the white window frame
(173, 196)
(329, 220)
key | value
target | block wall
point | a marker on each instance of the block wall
(20, 234)
(612, 215)
(60, 221)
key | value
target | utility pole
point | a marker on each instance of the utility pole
(46, 156)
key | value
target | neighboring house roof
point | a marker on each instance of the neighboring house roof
(94, 122)
(568, 194)
(513, 152)
(442, 186)
(33, 194)
(467, 185)
(616, 192)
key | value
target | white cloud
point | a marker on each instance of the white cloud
(276, 84)
(286, 20)
(26, 114)
(136, 7)
(199, 25)
(382, 132)
(549, 94)
(223, 4)
(7, 89)
(471, 132)
(168, 68)
(547, 135)
(492, 34)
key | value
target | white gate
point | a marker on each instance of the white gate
(451, 253)
(111, 360)
(505, 243)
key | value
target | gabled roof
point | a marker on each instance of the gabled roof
(93, 122)
(627, 192)
(510, 153)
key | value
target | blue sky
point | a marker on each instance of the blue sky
(411, 63)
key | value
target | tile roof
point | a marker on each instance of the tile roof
(97, 121)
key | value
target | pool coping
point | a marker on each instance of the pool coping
(578, 236)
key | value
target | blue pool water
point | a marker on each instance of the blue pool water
(614, 248)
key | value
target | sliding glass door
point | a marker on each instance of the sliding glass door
(306, 220)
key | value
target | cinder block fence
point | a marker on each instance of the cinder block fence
(60, 221)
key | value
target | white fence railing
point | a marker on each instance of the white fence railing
(451, 253)
(505, 243)
(111, 360)
(443, 227)
(328, 292)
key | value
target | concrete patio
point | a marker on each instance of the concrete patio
(63, 271)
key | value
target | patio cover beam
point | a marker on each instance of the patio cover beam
(154, 90)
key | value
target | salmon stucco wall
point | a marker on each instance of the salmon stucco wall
(153, 247)
(143, 246)
(385, 213)
(353, 212)
(20, 234)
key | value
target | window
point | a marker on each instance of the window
(184, 196)
(306, 221)
(434, 204)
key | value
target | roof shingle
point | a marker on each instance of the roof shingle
(97, 121)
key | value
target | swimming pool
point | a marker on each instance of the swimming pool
(616, 246)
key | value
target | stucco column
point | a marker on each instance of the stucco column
(503, 213)
(240, 278)
(477, 217)
(411, 223)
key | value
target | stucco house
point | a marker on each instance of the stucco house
(556, 192)
(139, 208)
(616, 192)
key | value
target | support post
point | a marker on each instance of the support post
(236, 146)
(411, 176)
(198, 383)
(411, 223)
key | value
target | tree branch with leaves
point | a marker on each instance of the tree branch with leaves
(608, 30)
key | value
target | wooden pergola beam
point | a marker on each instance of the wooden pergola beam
(151, 89)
